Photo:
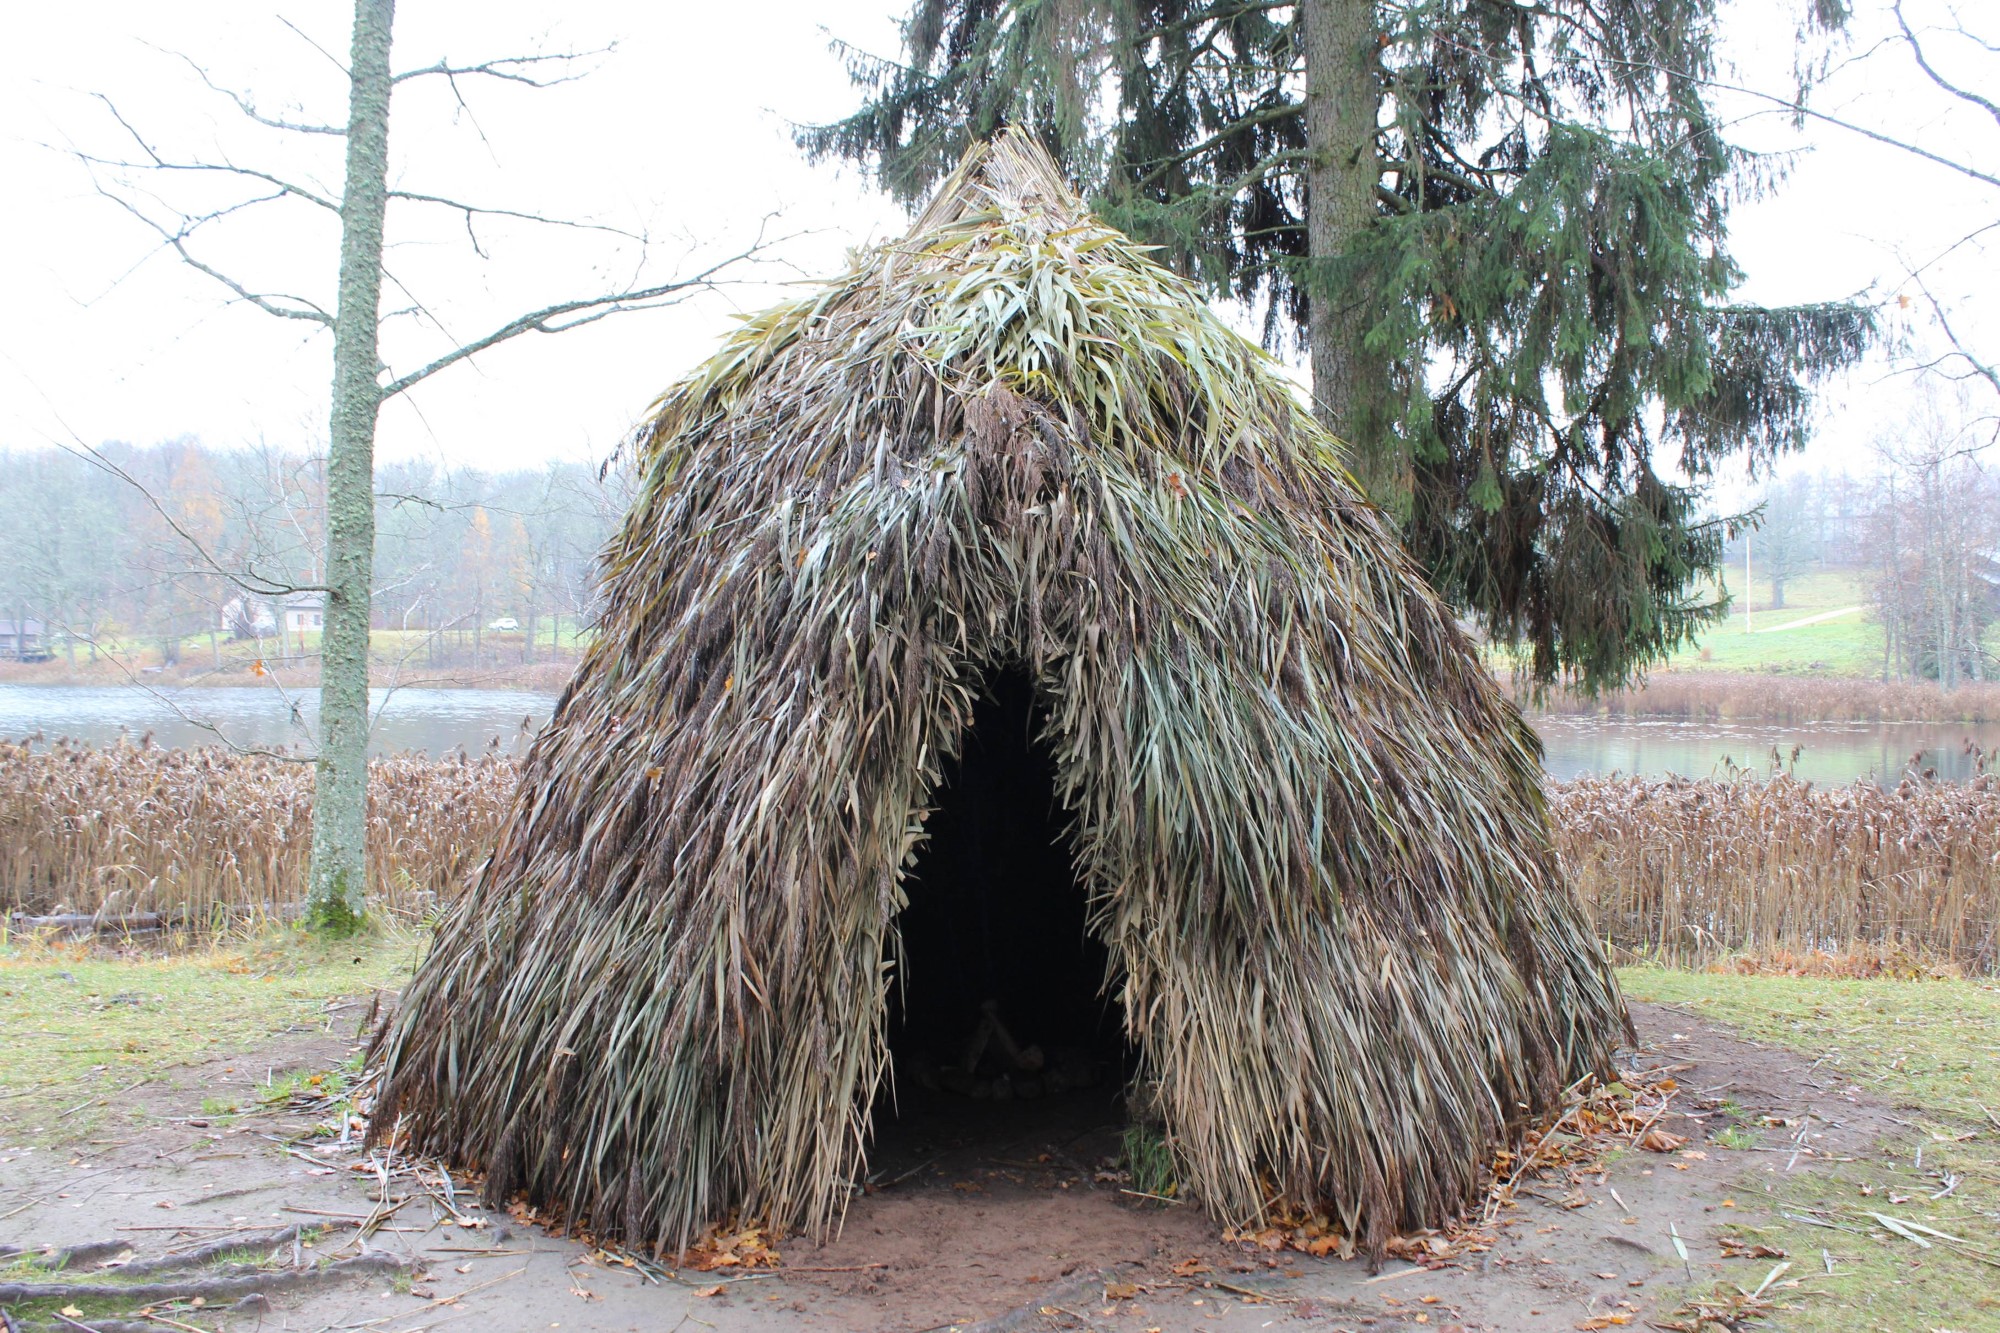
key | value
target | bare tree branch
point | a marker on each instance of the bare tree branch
(177, 241)
(309, 40)
(1978, 367)
(1991, 107)
(156, 162)
(248, 580)
(511, 69)
(249, 108)
(476, 210)
(172, 705)
(1800, 111)
(566, 315)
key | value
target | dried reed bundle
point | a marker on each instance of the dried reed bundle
(210, 836)
(1694, 872)
(1313, 832)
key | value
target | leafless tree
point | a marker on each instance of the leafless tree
(1935, 544)
(1961, 61)
(361, 383)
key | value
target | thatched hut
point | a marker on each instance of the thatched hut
(1006, 455)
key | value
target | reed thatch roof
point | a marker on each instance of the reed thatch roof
(1313, 830)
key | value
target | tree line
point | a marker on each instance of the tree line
(164, 553)
(1920, 534)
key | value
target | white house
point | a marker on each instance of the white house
(305, 612)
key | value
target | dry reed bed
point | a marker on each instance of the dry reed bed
(1688, 871)
(1716, 695)
(1694, 872)
(206, 835)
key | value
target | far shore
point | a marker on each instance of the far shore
(1716, 696)
(548, 675)
(1692, 695)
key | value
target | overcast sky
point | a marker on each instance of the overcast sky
(682, 133)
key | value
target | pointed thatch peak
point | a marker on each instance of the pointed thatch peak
(1006, 280)
(1311, 831)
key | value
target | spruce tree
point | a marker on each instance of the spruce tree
(1498, 228)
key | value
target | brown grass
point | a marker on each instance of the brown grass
(1752, 873)
(1698, 872)
(207, 836)
(1714, 696)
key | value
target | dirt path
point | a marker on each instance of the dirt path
(1031, 1237)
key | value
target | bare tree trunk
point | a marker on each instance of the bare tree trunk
(1343, 95)
(335, 899)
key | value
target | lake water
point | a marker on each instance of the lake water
(1827, 752)
(441, 720)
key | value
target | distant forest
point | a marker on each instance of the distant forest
(153, 564)
(494, 569)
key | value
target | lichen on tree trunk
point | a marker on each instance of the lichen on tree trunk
(336, 897)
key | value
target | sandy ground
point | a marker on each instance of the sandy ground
(1007, 1234)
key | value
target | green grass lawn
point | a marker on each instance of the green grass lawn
(1847, 645)
(1931, 1047)
(82, 1025)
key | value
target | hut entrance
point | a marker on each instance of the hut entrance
(999, 1027)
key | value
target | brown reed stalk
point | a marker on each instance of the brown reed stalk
(208, 836)
(1691, 872)
(1694, 872)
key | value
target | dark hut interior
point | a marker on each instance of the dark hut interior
(1000, 996)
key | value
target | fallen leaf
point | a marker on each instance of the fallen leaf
(715, 1290)
(1658, 1140)
(1189, 1267)
(1121, 1291)
(1736, 1249)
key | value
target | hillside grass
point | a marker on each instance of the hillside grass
(1847, 645)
